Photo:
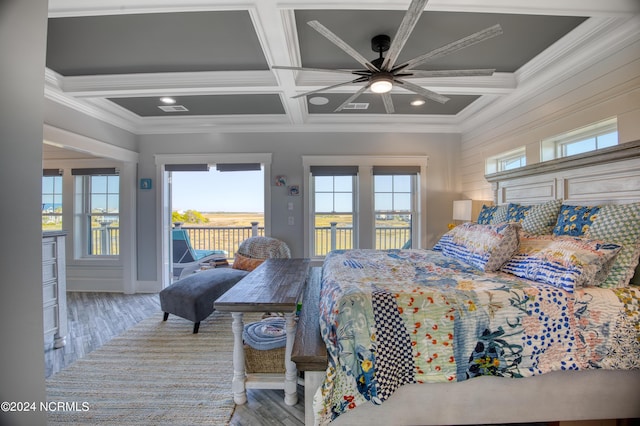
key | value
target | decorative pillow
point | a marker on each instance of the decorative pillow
(246, 263)
(485, 247)
(620, 224)
(575, 220)
(542, 217)
(517, 213)
(486, 214)
(500, 215)
(565, 262)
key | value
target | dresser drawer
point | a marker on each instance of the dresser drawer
(49, 271)
(50, 318)
(48, 249)
(49, 293)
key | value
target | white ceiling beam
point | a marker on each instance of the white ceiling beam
(145, 84)
(537, 7)
(497, 84)
(277, 34)
(60, 8)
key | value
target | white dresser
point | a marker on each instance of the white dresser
(54, 287)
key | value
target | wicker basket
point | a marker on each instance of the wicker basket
(269, 361)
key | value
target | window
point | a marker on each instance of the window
(334, 217)
(217, 224)
(506, 161)
(595, 136)
(99, 210)
(394, 205)
(51, 200)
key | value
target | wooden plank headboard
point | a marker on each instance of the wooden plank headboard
(610, 175)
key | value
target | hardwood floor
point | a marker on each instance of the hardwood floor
(95, 318)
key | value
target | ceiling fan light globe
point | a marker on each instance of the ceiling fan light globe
(381, 84)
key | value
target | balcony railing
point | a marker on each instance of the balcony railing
(105, 240)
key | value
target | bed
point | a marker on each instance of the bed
(485, 330)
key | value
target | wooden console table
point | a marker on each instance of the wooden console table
(274, 286)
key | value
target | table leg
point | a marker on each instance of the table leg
(291, 372)
(239, 376)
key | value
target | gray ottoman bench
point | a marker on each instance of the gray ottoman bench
(192, 297)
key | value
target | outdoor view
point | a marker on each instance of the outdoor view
(218, 209)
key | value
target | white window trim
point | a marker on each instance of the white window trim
(551, 148)
(364, 190)
(61, 193)
(414, 212)
(163, 215)
(83, 215)
(354, 214)
(492, 164)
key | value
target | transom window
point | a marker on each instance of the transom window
(595, 136)
(506, 161)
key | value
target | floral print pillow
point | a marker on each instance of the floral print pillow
(485, 247)
(517, 213)
(486, 214)
(565, 262)
(575, 220)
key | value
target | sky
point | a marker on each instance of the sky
(215, 191)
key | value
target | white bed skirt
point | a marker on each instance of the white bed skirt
(570, 395)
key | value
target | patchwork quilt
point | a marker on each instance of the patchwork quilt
(394, 317)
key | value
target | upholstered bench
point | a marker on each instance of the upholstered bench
(192, 297)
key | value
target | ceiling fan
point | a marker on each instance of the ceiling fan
(383, 73)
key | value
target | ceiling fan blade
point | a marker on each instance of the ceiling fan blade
(388, 103)
(342, 45)
(351, 98)
(448, 73)
(283, 67)
(357, 80)
(407, 25)
(422, 91)
(475, 38)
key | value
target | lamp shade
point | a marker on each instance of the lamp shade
(462, 210)
(468, 210)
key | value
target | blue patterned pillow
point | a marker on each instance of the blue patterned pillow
(517, 213)
(485, 247)
(565, 262)
(486, 214)
(500, 215)
(541, 218)
(575, 220)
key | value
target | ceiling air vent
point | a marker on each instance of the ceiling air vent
(357, 105)
(173, 108)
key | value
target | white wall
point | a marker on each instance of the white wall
(22, 49)
(287, 150)
(611, 88)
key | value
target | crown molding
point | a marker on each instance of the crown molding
(53, 93)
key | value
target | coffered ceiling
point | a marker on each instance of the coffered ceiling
(115, 60)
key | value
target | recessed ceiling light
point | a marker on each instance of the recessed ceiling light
(167, 100)
(318, 100)
(417, 102)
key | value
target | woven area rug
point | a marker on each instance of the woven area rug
(156, 373)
